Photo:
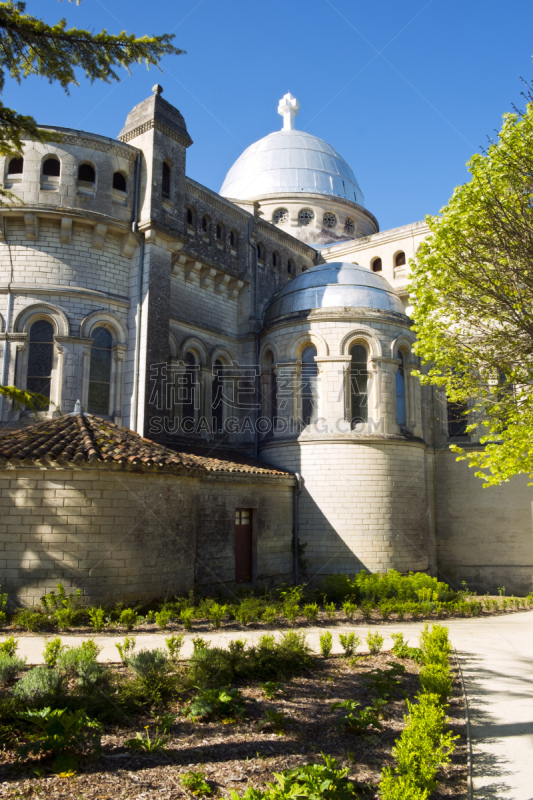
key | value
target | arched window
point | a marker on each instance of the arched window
(219, 232)
(457, 419)
(273, 399)
(280, 216)
(86, 173)
(305, 216)
(329, 220)
(190, 217)
(377, 265)
(260, 252)
(190, 394)
(275, 259)
(165, 181)
(16, 166)
(217, 400)
(100, 372)
(308, 385)
(52, 167)
(205, 223)
(40, 357)
(349, 226)
(119, 181)
(399, 259)
(233, 239)
(359, 384)
(291, 269)
(401, 412)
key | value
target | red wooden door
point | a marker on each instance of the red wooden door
(243, 545)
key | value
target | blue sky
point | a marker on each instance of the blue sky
(405, 91)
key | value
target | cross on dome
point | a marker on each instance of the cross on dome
(288, 108)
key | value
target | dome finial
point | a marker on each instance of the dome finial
(288, 108)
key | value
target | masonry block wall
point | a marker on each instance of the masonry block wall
(128, 536)
(484, 536)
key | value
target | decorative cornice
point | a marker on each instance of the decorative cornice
(70, 291)
(214, 199)
(82, 139)
(155, 124)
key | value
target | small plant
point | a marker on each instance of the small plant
(436, 679)
(198, 643)
(39, 686)
(349, 608)
(349, 643)
(277, 720)
(270, 689)
(125, 650)
(290, 611)
(147, 743)
(358, 720)
(162, 618)
(224, 704)
(60, 732)
(217, 613)
(385, 681)
(30, 620)
(80, 663)
(174, 645)
(331, 610)
(186, 617)
(374, 642)
(3, 604)
(269, 615)
(9, 646)
(195, 783)
(97, 618)
(150, 616)
(128, 618)
(311, 613)
(312, 781)
(401, 648)
(10, 666)
(326, 643)
(52, 649)
(501, 590)
(148, 664)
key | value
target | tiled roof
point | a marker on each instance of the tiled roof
(85, 439)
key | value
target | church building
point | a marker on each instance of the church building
(260, 339)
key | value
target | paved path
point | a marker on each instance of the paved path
(496, 658)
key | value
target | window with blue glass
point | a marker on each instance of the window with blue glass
(100, 372)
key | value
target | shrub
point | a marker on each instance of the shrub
(374, 642)
(270, 689)
(401, 648)
(326, 643)
(269, 615)
(400, 787)
(349, 608)
(10, 666)
(217, 613)
(290, 611)
(64, 609)
(148, 664)
(39, 686)
(195, 783)
(186, 617)
(349, 643)
(3, 604)
(210, 667)
(249, 610)
(128, 618)
(221, 703)
(9, 647)
(174, 645)
(311, 613)
(126, 649)
(97, 618)
(277, 720)
(162, 618)
(436, 679)
(80, 663)
(52, 649)
(60, 732)
(31, 620)
(331, 610)
(385, 681)
(435, 645)
(358, 720)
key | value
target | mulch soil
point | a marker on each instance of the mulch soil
(241, 754)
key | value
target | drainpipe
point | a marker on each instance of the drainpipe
(297, 492)
(253, 247)
(9, 314)
(141, 240)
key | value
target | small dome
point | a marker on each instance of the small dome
(334, 285)
(291, 161)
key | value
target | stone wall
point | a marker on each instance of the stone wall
(134, 536)
(485, 536)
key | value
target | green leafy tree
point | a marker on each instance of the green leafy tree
(30, 46)
(472, 289)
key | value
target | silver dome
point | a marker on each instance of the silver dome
(333, 285)
(290, 161)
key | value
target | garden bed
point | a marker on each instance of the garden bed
(248, 751)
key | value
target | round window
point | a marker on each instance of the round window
(330, 220)
(305, 216)
(281, 215)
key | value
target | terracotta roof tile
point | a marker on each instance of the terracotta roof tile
(86, 439)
